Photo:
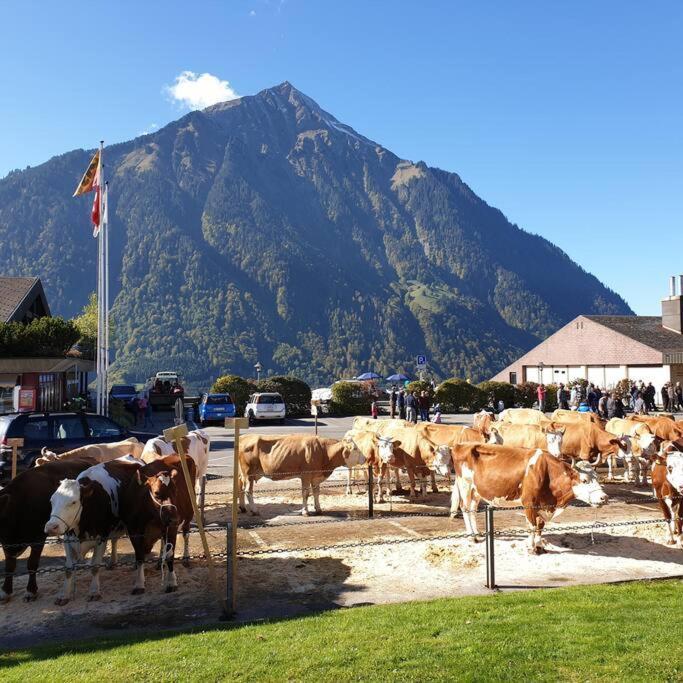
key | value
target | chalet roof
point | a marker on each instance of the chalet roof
(646, 329)
(16, 296)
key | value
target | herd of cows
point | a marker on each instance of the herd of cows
(525, 459)
(96, 494)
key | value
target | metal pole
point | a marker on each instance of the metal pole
(371, 500)
(490, 550)
(236, 423)
(105, 226)
(316, 422)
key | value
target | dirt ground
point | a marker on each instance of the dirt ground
(388, 561)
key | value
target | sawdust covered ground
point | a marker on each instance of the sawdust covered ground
(402, 567)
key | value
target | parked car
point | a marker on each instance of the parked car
(265, 407)
(123, 392)
(59, 432)
(215, 408)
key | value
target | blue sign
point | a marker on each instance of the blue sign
(421, 360)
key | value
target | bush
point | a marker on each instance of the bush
(239, 389)
(500, 391)
(525, 394)
(457, 395)
(551, 397)
(350, 398)
(49, 337)
(295, 392)
(623, 388)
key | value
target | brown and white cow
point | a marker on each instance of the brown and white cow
(197, 445)
(523, 416)
(24, 510)
(378, 452)
(667, 486)
(507, 477)
(529, 436)
(86, 511)
(100, 452)
(588, 441)
(154, 505)
(574, 416)
(663, 427)
(294, 456)
(639, 444)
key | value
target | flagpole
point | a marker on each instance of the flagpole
(105, 224)
(100, 297)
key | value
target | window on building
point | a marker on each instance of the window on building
(513, 378)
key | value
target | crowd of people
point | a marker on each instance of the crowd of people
(639, 398)
(410, 405)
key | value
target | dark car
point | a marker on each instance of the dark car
(123, 392)
(59, 432)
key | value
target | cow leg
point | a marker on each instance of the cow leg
(435, 488)
(186, 544)
(316, 497)
(171, 580)
(96, 562)
(380, 476)
(71, 555)
(667, 510)
(397, 475)
(7, 584)
(250, 499)
(32, 565)
(240, 493)
(679, 523)
(114, 555)
(536, 525)
(611, 459)
(139, 547)
(304, 497)
(349, 480)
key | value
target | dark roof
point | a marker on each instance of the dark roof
(646, 329)
(17, 294)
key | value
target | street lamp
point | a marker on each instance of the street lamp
(258, 367)
(540, 372)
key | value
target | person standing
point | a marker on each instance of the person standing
(392, 402)
(679, 395)
(423, 403)
(574, 397)
(665, 398)
(411, 408)
(614, 407)
(602, 406)
(540, 392)
(374, 410)
(148, 413)
(672, 396)
(640, 405)
(142, 410)
(401, 403)
(562, 401)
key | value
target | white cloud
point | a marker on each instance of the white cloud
(150, 129)
(252, 13)
(196, 91)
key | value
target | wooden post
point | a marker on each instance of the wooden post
(371, 486)
(235, 423)
(175, 435)
(15, 444)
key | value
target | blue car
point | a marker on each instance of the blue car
(215, 408)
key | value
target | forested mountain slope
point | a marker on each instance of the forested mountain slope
(265, 229)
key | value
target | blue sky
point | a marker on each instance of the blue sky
(566, 116)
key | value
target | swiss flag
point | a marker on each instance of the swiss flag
(95, 213)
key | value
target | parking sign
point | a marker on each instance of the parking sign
(421, 362)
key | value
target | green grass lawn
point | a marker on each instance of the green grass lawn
(625, 632)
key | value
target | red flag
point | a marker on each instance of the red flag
(95, 213)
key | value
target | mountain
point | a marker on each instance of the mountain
(264, 229)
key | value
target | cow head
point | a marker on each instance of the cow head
(385, 450)
(66, 505)
(482, 422)
(648, 444)
(442, 461)
(162, 491)
(585, 485)
(554, 435)
(351, 453)
(495, 436)
(674, 465)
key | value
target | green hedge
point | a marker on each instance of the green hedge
(295, 392)
(43, 337)
(419, 386)
(500, 391)
(457, 395)
(240, 390)
(350, 398)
